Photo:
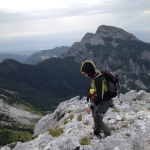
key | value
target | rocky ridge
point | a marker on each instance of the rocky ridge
(129, 125)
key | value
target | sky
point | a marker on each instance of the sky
(45, 24)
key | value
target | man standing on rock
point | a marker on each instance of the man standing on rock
(100, 101)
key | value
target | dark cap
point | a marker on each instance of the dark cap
(88, 67)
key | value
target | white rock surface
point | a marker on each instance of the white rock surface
(129, 126)
(17, 114)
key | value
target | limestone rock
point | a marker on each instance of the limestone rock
(129, 126)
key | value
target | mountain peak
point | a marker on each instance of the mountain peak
(114, 32)
(105, 31)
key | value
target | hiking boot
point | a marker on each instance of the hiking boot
(96, 132)
(96, 135)
(104, 135)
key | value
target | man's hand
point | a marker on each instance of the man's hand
(88, 110)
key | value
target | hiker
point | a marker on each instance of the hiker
(99, 100)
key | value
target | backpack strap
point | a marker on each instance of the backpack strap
(97, 75)
(104, 85)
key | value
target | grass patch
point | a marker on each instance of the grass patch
(84, 141)
(66, 121)
(55, 132)
(115, 128)
(122, 119)
(86, 122)
(127, 134)
(69, 111)
(117, 111)
(79, 118)
(134, 99)
(71, 117)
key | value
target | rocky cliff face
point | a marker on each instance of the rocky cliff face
(129, 126)
(116, 50)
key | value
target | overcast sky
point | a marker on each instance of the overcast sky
(45, 24)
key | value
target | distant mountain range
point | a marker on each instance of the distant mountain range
(17, 57)
(44, 85)
(32, 57)
(46, 54)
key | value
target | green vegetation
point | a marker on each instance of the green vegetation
(10, 130)
(71, 117)
(85, 141)
(43, 86)
(8, 136)
(128, 135)
(69, 111)
(117, 111)
(86, 122)
(68, 119)
(13, 98)
(79, 118)
(14, 132)
(55, 132)
(115, 128)
(122, 119)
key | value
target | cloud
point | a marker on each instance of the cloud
(69, 19)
